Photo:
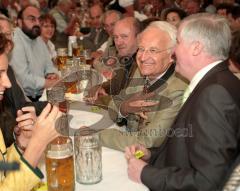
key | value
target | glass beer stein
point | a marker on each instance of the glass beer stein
(60, 165)
(61, 57)
(88, 156)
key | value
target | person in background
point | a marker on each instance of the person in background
(234, 55)
(125, 38)
(48, 26)
(108, 48)
(30, 58)
(197, 160)
(173, 15)
(234, 18)
(97, 35)
(66, 22)
(139, 8)
(224, 9)
(26, 151)
(109, 20)
(193, 7)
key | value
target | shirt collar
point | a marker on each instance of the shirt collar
(200, 74)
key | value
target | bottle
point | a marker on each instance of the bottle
(71, 40)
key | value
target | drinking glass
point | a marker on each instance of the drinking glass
(88, 156)
(70, 77)
(61, 58)
(60, 165)
(85, 77)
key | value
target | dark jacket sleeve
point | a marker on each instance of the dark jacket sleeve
(14, 98)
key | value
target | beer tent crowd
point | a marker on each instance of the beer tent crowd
(172, 72)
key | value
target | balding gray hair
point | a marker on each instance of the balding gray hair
(168, 28)
(110, 12)
(211, 30)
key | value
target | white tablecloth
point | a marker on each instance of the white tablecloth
(114, 165)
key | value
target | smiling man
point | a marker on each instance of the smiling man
(155, 65)
(199, 161)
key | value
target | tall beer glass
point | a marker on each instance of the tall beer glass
(61, 58)
(88, 157)
(70, 77)
(60, 165)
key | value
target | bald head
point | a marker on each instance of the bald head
(125, 35)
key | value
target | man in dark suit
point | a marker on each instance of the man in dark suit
(204, 139)
(97, 35)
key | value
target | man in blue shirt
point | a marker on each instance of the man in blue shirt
(30, 58)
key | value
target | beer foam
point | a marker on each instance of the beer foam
(59, 154)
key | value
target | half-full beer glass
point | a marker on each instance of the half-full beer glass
(70, 77)
(88, 156)
(59, 165)
(61, 58)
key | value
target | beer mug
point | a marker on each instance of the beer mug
(77, 49)
(88, 156)
(61, 58)
(70, 77)
(60, 165)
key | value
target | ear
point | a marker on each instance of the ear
(19, 22)
(196, 48)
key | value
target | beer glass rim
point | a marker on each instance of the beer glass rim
(85, 132)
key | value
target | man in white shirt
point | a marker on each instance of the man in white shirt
(200, 159)
(30, 59)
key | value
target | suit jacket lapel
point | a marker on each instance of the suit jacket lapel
(162, 80)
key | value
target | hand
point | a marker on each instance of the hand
(50, 83)
(52, 76)
(135, 167)
(108, 74)
(130, 151)
(137, 103)
(23, 130)
(94, 93)
(44, 132)
(97, 54)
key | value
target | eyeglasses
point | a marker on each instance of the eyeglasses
(151, 51)
(106, 26)
(32, 19)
